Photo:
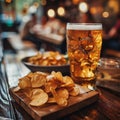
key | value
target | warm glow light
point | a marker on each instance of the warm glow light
(114, 4)
(51, 13)
(61, 11)
(93, 10)
(83, 7)
(36, 4)
(105, 14)
(75, 2)
(43, 2)
(8, 1)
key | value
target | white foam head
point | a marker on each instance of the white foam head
(84, 26)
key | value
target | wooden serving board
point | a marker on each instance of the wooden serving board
(54, 111)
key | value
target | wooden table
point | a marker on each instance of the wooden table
(107, 107)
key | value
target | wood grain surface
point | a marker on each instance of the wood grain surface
(54, 111)
(112, 84)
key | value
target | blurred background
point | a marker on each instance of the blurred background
(40, 24)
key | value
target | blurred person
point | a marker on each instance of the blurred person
(28, 25)
(26, 32)
(112, 38)
(55, 26)
(86, 18)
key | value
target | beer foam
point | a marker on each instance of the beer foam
(77, 26)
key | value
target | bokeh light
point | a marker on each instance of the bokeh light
(61, 11)
(83, 7)
(51, 13)
(8, 1)
(43, 2)
(105, 14)
(93, 10)
(36, 4)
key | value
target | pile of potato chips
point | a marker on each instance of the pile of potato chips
(48, 58)
(43, 88)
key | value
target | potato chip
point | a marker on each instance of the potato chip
(48, 59)
(43, 88)
(62, 92)
(58, 76)
(49, 85)
(24, 82)
(50, 77)
(16, 89)
(38, 79)
(68, 82)
(58, 57)
(29, 75)
(59, 100)
(75, 91)
(44, 63)
(51, 100)
(39, 99)
(36, 91)
(53, 62)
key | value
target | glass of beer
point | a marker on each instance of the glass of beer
(84, 42)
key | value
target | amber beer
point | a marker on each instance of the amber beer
(83, 46)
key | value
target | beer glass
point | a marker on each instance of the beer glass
(84, 42)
